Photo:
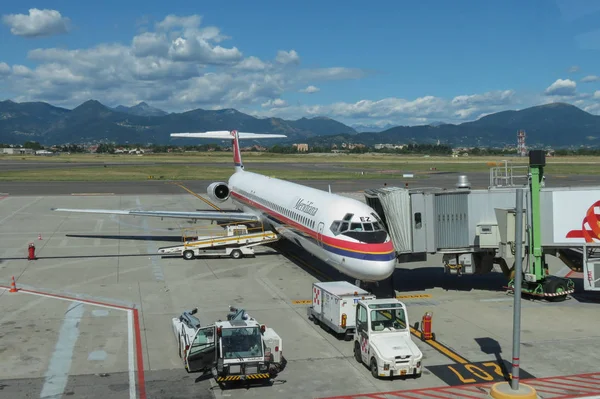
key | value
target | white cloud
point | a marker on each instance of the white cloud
(574, 69)
(593, 108)
(177, 63)
(37, 23)
(277, 103)
(287, 57)
(393, 110)
(310, 89)
(252, 64)
(597, 94)
(561, 87)
(590, 78)
(4, 69)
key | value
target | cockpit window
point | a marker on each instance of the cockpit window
(367, 229)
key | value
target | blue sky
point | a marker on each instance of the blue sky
(386, 62)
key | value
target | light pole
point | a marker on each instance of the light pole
(515, 390)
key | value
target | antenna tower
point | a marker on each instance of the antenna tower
(521, 149)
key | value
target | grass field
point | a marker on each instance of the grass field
(172, 172)
(226, 157)
(173, 166)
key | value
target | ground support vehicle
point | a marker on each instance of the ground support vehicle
(475, 229)
(383, 341)
(238, 349)
(334, 306)
(237, 243)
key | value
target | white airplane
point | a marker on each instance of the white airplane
(344, 233)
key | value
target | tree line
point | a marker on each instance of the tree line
(420, 149)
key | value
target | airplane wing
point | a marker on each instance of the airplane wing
(198, 215)
(224, 134)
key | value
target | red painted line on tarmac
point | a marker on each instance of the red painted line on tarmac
(580, 380)
(3, 196)
(138, 350)
(432, 395)
(550, 385)
(136, 325)
(71, 298)
(569, 274)
(562, 383)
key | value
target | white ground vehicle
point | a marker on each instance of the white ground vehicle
(382, 340)
(239, 349)
(237, 243)
(334, 306)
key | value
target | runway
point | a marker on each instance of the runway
(448, 180)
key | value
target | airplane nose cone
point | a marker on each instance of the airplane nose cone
(386, 269)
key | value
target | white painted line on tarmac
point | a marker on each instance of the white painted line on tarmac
(60, 362)
(131, 364)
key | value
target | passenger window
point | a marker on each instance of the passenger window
(418, 222)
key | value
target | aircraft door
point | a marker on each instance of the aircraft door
(320, 233)
(362, 327)
(202, 353)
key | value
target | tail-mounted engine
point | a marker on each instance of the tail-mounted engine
(218, 191)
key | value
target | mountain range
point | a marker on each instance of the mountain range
(556, 124)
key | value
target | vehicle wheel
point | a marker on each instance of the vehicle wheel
(556, 286)
(188, 255)
(236, 254)
(374, 372)
(357, 352)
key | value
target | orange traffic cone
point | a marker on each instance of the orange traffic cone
(13, 285)
(40, 236)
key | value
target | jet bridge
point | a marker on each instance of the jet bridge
(475, 229)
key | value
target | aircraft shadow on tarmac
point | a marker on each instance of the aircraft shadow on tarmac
(402, 280)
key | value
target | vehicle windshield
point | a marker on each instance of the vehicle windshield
(368, 228)
(392, 319)
(241, 342)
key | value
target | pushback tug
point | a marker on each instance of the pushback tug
(238, 349)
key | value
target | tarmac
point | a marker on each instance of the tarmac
(92, 317)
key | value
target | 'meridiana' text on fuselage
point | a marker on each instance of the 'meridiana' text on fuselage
(306, 207)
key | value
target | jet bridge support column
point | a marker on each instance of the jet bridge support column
(536, 281)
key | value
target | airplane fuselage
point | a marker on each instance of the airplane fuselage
(345, 233)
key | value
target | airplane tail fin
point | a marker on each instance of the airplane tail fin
(235, 136)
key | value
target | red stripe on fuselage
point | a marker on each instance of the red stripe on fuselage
(347, 245)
